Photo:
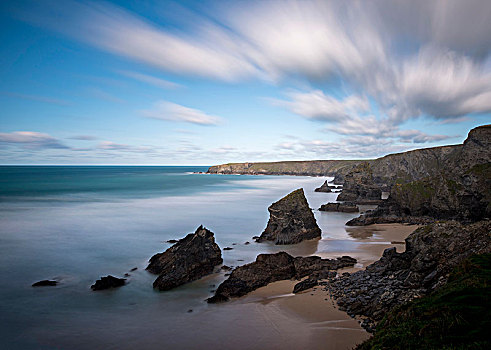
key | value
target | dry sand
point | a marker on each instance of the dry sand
(322, 325)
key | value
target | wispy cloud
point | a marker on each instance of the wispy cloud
(37, 98)
(31, 140)
(149, 79)
(173, 112)
(83, 138)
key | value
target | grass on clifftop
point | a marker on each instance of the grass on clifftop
(457, 316)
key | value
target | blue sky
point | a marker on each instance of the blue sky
(207, 82)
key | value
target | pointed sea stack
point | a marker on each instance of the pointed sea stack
(290, 220)
(189, 259)
(324, 188)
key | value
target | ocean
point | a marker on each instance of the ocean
(78, 223)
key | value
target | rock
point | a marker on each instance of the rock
(189, 259)
(228, 248)
(108, 282)
(45, 283)
(172, 241)
(432, 252)
(291, 220)
(247, 243)
(305, 284)
(324, 188)
(226, 268)
(341, 207)
(126, 275)
(255, 238)
(275, 267)
(134, 269)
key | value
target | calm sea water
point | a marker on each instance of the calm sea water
(77, 223)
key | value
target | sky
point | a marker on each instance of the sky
(211, 82)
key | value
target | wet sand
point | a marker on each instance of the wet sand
(323, 325)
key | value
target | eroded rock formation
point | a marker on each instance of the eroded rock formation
(189, 259)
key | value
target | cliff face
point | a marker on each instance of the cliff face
(451, 182)
(306, 168)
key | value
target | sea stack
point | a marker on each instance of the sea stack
(189, 259)
(324, 188)
(290, 220)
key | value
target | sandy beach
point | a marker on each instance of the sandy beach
(324, 325)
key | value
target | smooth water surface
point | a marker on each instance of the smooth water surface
(76, 224)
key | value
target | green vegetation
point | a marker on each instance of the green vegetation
(457, 316)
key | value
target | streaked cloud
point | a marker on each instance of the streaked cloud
(31, 140)
(173, 112)
(149, 79)
(37, 98)
(83, 138)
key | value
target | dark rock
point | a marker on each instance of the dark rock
(172, 241)
(275, 267)
(45, 283)
(190, 310)
(246, 243)
(108, 282)
(189, 259)
(126, 275)
(291, 220)
(228, 248)
(324, 188)
(305, 284)
(397, 278)
(226, 268)
(134, 269)
(341, 207)
(255, 238)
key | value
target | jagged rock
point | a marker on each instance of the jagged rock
(275, 267)
(45, 283)
(189, 259)
(305, 284)
(108, 282)
(291, 220)
(324, 188)
(341, 207)
(431, 253)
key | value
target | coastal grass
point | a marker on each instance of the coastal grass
(457, 316)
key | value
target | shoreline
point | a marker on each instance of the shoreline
(314, 307)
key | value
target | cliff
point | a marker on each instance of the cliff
(305, 168)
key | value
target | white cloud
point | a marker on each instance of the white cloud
(31, 140)
(173, 112)
(161, 83)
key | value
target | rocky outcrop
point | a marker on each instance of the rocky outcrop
(275, 267)
(189, 259)
(431, 253)
(108, 282)
(45, 283)
(335, 168)
(324, 188)
(340, 207)
(360, 186)
(290, 220)
(451, 182)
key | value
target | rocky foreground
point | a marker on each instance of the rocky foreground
(276, 267)
(432, 252)
(191, 258)
(290, 220)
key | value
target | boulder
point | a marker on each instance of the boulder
(108, 282)
(341, 207)
(275, 267)
(189, 259)
(305, 284)
(290, 220)
(45, 283)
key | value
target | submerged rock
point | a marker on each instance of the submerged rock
(341, 207)
(189, 259)
(290, 220)
(45, 283)
(108, 282)
(275, 267)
